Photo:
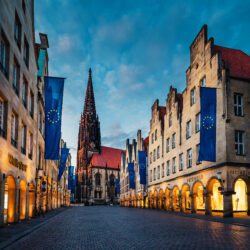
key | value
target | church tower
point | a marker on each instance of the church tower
(89, 139)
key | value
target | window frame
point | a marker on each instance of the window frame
(192, 96)
(198, 127)
(181, 162)
(173, 140)
(189, 159)
(189, 129)
(238, 106)
(238, 144)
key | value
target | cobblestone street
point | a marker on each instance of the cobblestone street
(103, 227)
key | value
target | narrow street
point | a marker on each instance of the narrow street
(103, 227)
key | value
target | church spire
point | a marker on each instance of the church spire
(89, 104)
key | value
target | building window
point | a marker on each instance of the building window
(168, 168)
(30, 146)
(197, 154)
(31, 104)
(168, 145)
(4, 56)
(26, 52)
(23, 139)
(152, 138)
(16, 74)
(14, 129)
(158, 152)
(189, 158)
(170, 120)
(24, 6)
(159, 172)
(150, 175)
(197, 122)
(203, 82)
(189, 129)
(24, 93)
(180, 162)
(155, 134)
(150, 158)
(162, 170)
(154, 174)
(239, 142)
(98, 179)
(154, 155)
(193, 96)
(238, 104)
(40, 121)
(3, 120)
(174, 165)
(174, 140)
(17, 31)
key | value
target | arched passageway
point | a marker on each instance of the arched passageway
(216, 198)
(161, 199)
(198, 196)
(22, 200)
(155, 199)
(176, 199)
(9, 200)
(186, 199)
(168, 199)
(150, 200)
(240, 196)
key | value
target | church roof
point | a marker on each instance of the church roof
(239, 61)
(109, 156)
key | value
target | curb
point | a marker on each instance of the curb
(12, 240)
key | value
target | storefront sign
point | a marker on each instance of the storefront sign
(18, 164)
(195, 178)
(240, 172)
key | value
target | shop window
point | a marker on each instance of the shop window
(189, 129)
(239, 142)
(17, 31)
(16, 77)
(200, 202)
(23, 139)
(174, 165)
(180, 162)
(217, 197)
(238, 104)
(193, 96)
(189, 158)
(240, 196)
(4, 55)
(174, 140)
(14, 129)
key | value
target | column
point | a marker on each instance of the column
(2, 187)
(193, 203)
(248, 203)
(208, 205)
(228, 203)
(180, 202)
(17, 205)
(27, 203)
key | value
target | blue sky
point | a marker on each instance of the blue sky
(136, 50)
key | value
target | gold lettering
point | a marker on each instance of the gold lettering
(13, 161)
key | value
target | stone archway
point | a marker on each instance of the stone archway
(9, 199)
(168, 199)
(22, 199)
(161, 199)
(215, 197)
(186, 198)
(176, 199)
(198, 197)
(31, 199)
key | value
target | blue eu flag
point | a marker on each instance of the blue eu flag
(131, 175)
(208, 125)
(64, 156)
(117, 184)
(142, 166)
(53, 113)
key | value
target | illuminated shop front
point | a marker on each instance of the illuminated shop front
(240, 196)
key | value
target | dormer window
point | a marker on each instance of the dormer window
(203, 82)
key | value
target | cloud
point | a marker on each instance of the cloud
(64, 43)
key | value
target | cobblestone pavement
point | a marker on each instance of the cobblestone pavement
(103, 227)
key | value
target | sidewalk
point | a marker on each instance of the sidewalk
(12, 232)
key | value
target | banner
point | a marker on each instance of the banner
(41, 58)
(142, 166)
(64, 157)
(70, 177)
(208, 125)
(53, 112)
(131, 175)
(117, 184)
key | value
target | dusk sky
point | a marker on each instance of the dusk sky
(136, 50)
